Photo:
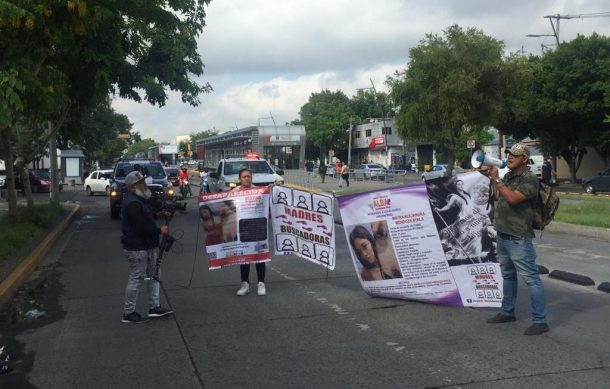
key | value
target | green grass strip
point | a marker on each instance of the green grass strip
(19, 232)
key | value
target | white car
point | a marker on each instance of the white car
(98, 182)
(226, 175)
(439, 171)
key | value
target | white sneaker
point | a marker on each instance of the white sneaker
(244, 289)
(260, 289)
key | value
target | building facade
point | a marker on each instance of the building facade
(282, 146)
(377, 141)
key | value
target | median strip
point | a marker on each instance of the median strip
(22, 272)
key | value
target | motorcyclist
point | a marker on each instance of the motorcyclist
(184, 180)
(204, 186)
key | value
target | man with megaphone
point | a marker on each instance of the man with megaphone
(515, 195)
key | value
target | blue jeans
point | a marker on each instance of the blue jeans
(519, 256)
(141, 263)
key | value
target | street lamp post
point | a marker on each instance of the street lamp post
(349, 144)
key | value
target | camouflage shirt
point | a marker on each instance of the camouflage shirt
(516, 219)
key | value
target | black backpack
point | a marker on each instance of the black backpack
(545, 207)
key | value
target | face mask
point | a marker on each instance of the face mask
(144, 193)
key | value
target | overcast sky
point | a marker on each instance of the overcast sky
(266, 57)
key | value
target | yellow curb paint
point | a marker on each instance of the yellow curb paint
(22, 272)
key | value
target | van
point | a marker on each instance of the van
(534, 163)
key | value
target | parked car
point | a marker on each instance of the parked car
(599, 183)
(370, 171)
(40, 181)
(439, 171)
(98, 182)
(2, 179)
(226, 175)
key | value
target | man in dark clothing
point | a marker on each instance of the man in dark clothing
(309, 169)
(140, 242)
(322, 171)
(548, 172)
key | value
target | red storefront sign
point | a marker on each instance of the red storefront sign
(377, 143)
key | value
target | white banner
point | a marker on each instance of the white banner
(235, 226)
(404, 247)
(303, 224)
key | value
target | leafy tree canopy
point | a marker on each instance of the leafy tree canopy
(326, 117)
(141, 147)
(449, 88)
(571, 97)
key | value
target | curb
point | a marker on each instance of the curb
(597, 233)
(572, 277)
(604, 287)
(22, 272)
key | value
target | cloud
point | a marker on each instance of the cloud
(265, 58)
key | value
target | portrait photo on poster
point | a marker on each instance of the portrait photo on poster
(372, 246)
(212, 225)
(463, 214)
(219, 221)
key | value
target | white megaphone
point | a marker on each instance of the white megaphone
(479, 158)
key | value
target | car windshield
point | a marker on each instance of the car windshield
(42, 173)
(149, 169)
(376, 166)
(172, 172)
(260, 167)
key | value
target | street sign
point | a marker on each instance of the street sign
(470, 143)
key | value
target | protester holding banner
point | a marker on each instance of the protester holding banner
(515, 195)
(245, 182)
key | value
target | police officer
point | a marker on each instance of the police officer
(140, 242)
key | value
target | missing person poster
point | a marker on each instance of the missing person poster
(463, 213)
(395, 246)
(303, 225)
(235, 226)
(404, 243)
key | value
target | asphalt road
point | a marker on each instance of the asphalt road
(313, 329)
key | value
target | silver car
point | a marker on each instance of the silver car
(369, 171)
(439, 171)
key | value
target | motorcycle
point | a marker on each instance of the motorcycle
(185, 188)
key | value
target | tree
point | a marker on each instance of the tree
(571, 97)
(96, 130)
(448, 92)
(512, 110)
(96, 47)
(367, 104)
(141, 147)
(326, 117)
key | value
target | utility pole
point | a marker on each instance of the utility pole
(349, 144)
(558, 17)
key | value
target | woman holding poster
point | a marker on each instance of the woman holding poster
(365, 248)
(245, 182)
